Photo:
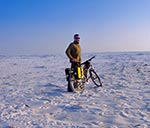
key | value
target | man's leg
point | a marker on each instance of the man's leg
(67, 72)
(69, 88)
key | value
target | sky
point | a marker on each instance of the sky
(48, 26)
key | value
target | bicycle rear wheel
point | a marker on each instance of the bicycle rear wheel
(95, 78)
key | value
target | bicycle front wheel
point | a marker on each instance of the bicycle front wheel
(77, 86)
(95, 78)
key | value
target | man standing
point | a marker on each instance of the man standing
(74, 51)
(74, 54)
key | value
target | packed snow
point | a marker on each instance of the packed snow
(33, 92)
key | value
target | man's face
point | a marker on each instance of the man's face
(77, 39)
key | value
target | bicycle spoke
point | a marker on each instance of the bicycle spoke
(95, 78)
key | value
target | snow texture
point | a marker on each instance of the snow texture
(33, 92)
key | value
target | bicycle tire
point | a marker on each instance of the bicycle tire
(95, 78)
(76, 86)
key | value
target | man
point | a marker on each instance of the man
(74, 54)
(74, 51)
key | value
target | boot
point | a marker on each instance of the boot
(69, 88)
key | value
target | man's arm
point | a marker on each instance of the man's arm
(68, 52)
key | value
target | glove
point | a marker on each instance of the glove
(74, 60)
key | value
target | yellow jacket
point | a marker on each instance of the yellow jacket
(74, 51)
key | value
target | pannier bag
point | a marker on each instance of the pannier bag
(79, 73)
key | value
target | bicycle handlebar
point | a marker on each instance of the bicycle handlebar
(88, 60)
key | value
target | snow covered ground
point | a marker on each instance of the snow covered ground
(33, 92)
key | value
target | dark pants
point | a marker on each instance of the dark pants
(74, 64)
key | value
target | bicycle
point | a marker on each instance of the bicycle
(78, 76)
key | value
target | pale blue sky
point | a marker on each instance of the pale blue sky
(48, 26)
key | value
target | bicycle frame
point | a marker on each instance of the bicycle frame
(87, 66)
(88, 73)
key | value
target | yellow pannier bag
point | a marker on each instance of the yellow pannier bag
(80, 72)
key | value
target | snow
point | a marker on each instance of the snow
(33, 92)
